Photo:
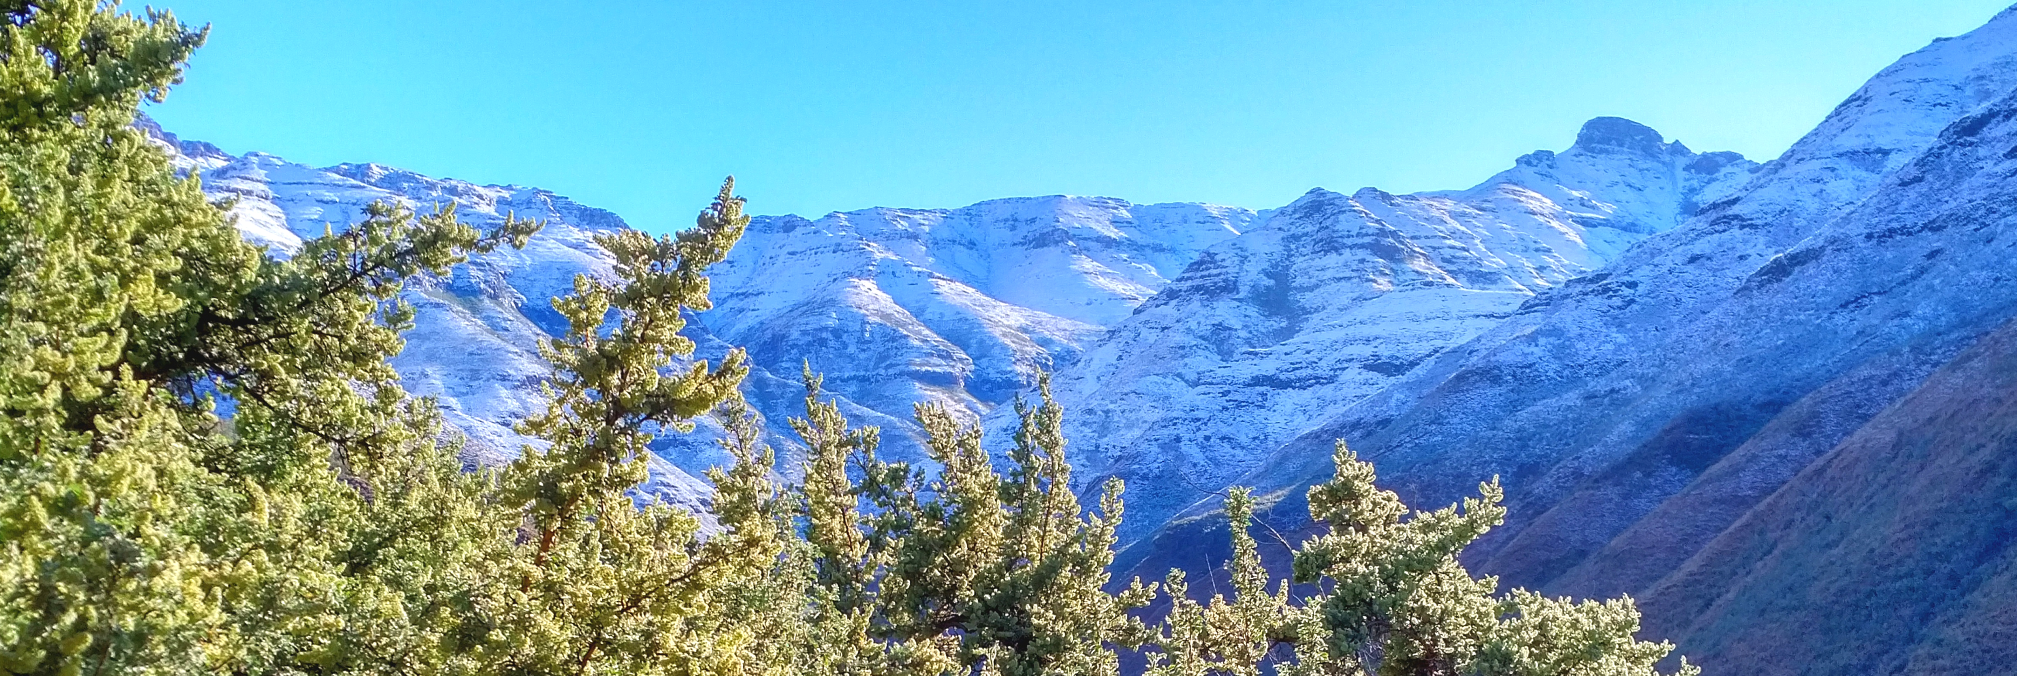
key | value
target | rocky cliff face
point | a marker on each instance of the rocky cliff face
(958, 307)
(1334, 297)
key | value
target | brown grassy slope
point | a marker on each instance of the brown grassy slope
(1903, 537)
(1670, 533)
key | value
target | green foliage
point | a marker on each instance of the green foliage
(92, 458)
(1389, 597)
(327, 525)
(1230, 636)
(1001, 573)
(599, 585)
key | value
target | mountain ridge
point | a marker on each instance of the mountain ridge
(1334, 297)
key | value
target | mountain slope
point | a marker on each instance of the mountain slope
(898, 307)
(959, 307)
(1334, 297)
(1902, 534)
(1891, 530)
(1638, 413)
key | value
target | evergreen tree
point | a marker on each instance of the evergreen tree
(598, 584)
(970, 570)
(1390, 598)
(324, 524)
(94, 260)
(1234, 636)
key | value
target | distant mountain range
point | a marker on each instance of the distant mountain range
(1777, 403)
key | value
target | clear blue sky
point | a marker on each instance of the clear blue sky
(640, 107)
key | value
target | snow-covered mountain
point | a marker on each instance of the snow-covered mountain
(963, 307)
(896, 307)
(960, 307)
(1334, 297)
(475, 335)
(1702, 424)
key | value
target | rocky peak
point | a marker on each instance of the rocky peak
(366, 172)
(1621, 134)
(1619, 175)
(1710, 163)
